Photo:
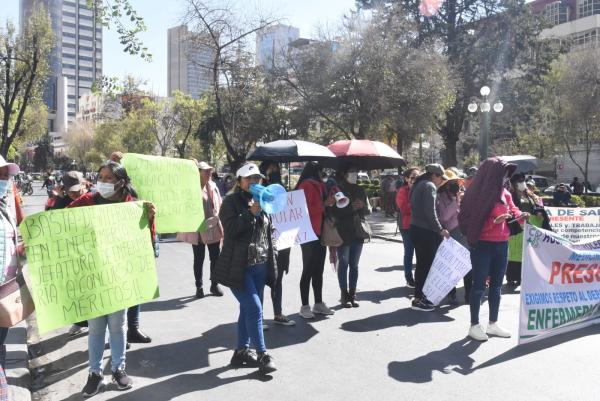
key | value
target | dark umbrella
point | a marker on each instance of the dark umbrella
(291, 150)
(366, 154)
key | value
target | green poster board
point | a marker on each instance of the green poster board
(89, 261)
(173, 185)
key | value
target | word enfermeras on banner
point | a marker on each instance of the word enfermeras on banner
(452, 262)
(88, 262)
(560, 287)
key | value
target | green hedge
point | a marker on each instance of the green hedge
(578, 200)
(591, 201)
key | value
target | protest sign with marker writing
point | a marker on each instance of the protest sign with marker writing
(292, 224)
(89, 261)
(452, 262)
(173, 185)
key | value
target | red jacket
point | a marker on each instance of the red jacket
(403, 203)
(314, 191)
(93, 198)
(499, 232)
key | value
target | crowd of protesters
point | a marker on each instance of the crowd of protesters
(483, 211)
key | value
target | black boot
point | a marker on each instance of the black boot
(135, 335)
(352, 298)
(345, 299)
(199, 292)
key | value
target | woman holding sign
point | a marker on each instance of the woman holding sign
(247, 262)
(486, 208)
(113, 186)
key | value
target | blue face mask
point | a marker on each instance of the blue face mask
(3, 188)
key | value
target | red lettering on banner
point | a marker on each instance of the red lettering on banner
(569, 273)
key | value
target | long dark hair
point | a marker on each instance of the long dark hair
(406, 174)
(121, 174)
(312, 170)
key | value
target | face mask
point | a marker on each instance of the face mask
(3, 188)
(106, 189)
(352, 177)
(521, 186)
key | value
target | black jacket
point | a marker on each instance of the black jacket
(238, 225)
(345, 222)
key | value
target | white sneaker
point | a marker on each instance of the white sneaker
(322, 309)
(476, 333)
(76, 330)
(306, 313)
(494, 329)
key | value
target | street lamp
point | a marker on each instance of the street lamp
(485, 108)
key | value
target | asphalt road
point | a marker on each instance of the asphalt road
(382, 350)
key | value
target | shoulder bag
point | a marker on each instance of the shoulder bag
(214, 229)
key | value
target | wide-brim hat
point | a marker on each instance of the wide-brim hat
(452, 176)
(204, 166)
(13, 169)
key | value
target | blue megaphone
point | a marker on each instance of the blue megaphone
(272, 199)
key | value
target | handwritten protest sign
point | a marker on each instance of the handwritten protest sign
(173, 185)
(452, 261)
(89, 261)
(292, 225)
(560, 287)
(575, 224)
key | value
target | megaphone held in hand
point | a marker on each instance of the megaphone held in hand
(341, 201)
(272, 198)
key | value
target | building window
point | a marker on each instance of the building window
(586, 8)
(587, 38)
(557, 13)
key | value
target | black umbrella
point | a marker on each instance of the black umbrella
(291, 150)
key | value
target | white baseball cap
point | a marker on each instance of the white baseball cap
(248, 170)
(13, 169)
(204, 166)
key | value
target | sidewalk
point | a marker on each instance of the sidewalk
(384, 227)
(17, 371)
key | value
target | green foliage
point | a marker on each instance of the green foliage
(591, 201)
(578, 200)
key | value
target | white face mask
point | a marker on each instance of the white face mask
(106, 189)
(521, 186)
(352, 177)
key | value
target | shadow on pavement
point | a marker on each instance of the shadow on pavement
(526, 349)
(168, 304)
(454, 358)
(378, 296)
(387, 269)
(402, 317)
(181, 385)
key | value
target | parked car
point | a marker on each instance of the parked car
(550, 190)
(541, 182)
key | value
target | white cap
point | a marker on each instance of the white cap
(204, 166)
(248, 170)
(13, 169)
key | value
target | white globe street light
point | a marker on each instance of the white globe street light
(485, 107)
(485, 90)
(498, 107)
(472, 107)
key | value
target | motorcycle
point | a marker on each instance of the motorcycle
(26, 188)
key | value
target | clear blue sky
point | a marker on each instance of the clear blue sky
(163, 14)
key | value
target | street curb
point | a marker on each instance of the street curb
(386, 238)
(17, 369)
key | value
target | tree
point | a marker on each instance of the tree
(23, 72)
(188, 114)
(485, 41)
(80, 141)
(216, 27)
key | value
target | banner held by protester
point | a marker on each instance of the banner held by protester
(560, 287)
(292, 225)
(173, 185)
(452, 262)
(575, 223)
(88, 262)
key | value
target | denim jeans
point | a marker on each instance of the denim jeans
(116, 338)
(409, 251)
(488, 259)
(249, 327)
(348, 256)
(283, 263)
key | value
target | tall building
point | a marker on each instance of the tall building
(272, 45)
(189, 63)
(76, 59)
(577, 20)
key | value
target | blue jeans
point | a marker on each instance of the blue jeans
(249, 325)
(348, 256)
(488, 259)
(409, 251)
(116, 338)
